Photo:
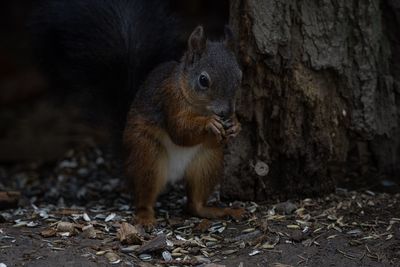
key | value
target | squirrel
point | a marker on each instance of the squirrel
(178, 122)
(180, 114)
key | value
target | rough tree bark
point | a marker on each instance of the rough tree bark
(320, 98)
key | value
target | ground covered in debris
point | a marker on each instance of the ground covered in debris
(76, 213)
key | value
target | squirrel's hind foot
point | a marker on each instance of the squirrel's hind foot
(145, 219)
(216, 212)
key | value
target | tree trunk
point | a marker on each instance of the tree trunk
(320, 100)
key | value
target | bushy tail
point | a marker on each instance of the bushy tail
(102, 50)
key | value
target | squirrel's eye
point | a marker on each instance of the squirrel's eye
(204, 80)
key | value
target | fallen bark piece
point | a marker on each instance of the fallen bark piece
(158, 243)
(9, 200)
(48, 232)
(129, 234)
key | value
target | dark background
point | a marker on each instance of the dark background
(35, 124)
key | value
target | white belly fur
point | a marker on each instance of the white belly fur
(179, 158)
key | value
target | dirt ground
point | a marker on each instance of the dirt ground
(71, 213)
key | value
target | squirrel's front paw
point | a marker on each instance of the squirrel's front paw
(216, 126)
(233, 128)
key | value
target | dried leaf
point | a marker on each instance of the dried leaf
(129, 234)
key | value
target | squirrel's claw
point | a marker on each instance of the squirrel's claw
(147, 223)
(215, 125)
(234, 129)
(146, 220)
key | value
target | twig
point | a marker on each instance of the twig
(351, 257)
(302, 260)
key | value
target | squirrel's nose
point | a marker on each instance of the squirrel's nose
(225, 111)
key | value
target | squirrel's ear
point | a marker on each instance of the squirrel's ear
(229, 38)
(197, 41)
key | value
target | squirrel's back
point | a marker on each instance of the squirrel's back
(102, 50)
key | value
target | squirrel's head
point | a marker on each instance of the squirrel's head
(211, 75)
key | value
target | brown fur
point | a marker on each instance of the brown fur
(146, 160)
(145, 166)
(201, 178)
